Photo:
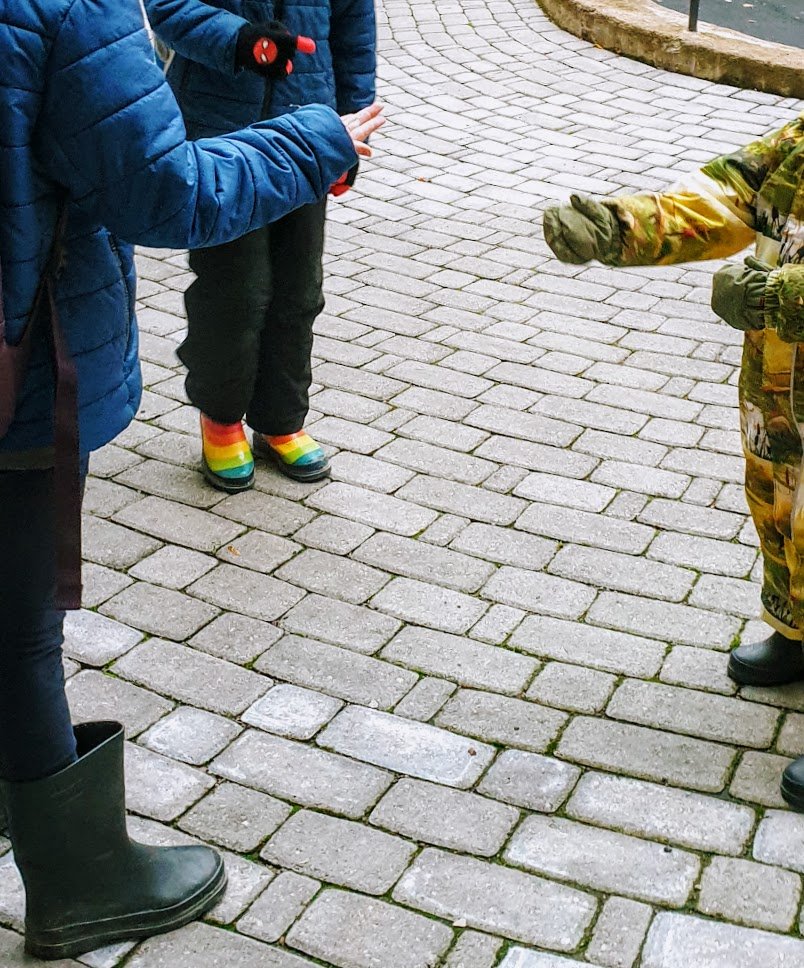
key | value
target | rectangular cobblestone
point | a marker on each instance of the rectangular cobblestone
(337, 672)
(647, 753)
(445, 817)
(191, 735)
(408, 747)
(505, 546)
(94, 695)
(571, 687)
(352, 931)
(751, 894)
(463, 499)
(474, 950)
(582, 527)
(564, 491)
(177, 523)
(265, 512)
(236, 638)
(374, 509)
(352, 626)
(529, 780)
(662, 813)
(429, 459)
(461, 660)
(604, 860)
(279, 905)
(721, 718)
(430, 605)
(240, 590)
(609, 569)
(111, 545)
(416, 559)
(537, 592)
(339, 852)
(526, 426)
(333, 575)
(493, 898)
(679, 941)
(96, 640)
(500, 719)
(689, 519)
(159, 787)
(619, 933)
(537, 457)
(292, 711)
(258, 551)
(301, 774)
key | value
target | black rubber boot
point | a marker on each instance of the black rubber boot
(774, 661)
(86, 884)
(793, 784)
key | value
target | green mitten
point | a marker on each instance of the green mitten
(738, 294)
(583, 230)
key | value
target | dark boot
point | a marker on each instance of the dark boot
(793, 784)
(86, 884)
(774, 661)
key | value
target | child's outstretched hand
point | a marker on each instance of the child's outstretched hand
(269, 48)
(738, 294)
(583, 230)
(362, 125)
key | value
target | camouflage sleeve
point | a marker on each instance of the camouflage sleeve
(710, 215)
(784, 302)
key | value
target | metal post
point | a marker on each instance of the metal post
(694, 4)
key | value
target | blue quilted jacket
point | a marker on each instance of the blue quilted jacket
(216, 98)
(85, 110)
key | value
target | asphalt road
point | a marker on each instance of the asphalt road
(778, 20)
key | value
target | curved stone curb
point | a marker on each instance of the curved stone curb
(644, 31)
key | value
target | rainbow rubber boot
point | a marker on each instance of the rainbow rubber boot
(296, 455)
(226, 458)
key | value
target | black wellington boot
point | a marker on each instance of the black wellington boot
(775, 661)
(793, 784)
(86, 884)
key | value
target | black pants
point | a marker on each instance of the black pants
(250, 317)
(36, 734)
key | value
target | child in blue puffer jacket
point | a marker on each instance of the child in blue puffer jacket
(229, 68)
(91, 129)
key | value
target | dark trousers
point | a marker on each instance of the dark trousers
(250, 316)
(36, 734)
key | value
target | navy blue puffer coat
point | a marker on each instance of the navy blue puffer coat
(85, 110)
(216, 98)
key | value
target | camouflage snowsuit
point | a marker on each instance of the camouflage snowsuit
(756, 193)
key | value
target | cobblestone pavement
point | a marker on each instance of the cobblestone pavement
(465, 705)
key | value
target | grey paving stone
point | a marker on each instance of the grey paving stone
(537, 592)
(779, 840)
(352, 931)
(236, 638)
(371, 472)
(527, 426)
(564, 491)
(474, 502)
(235, 817)
(604, 860)
(526, 958)
(405, 746)
(500, 719)
(109, 544)
(417, 559)
(333, 534)
(664, 620)
(245, 881)
(339, 852)
(100, 584)
(159, 787)
(647, 753)
(169, 480)
(95, 640)
(751, 894)
(93, 695)
(337, 672)
(424, 699)
(259, 551)
(529, 780)
(291, 711)
(239, 590)
(203, 946)
(494, 898)
(474, 950)
(173, 567)
(192, 677)
(678, 941)
(461, 660)
(697, 714)
(571, 687)
(370, 508)
(757, 777)
(698, 669)
(333, 575)
(583, 527)
(190, 735)
(505, 546)
(301, 774)
(13, 956)
(178, 524)
(608, 569)
(448, 818)
(263, 511)
(352, 626)
(706, 522)
(160, 611)
(279, 905)
(619, 933)
(703, 554)
(588, 645)
(427, 458)
(537, 457)
(425, 604)
(791, 736)
(662, 813)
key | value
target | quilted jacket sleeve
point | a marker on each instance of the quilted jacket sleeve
(711, 215)
(121, 148)
(197, 31)
(784, 302)
(353, 42)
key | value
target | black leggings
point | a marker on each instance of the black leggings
(36, 734)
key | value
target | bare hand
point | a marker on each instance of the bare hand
(362, 125)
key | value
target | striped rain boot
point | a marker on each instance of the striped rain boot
(296, 455)
(226, 456)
